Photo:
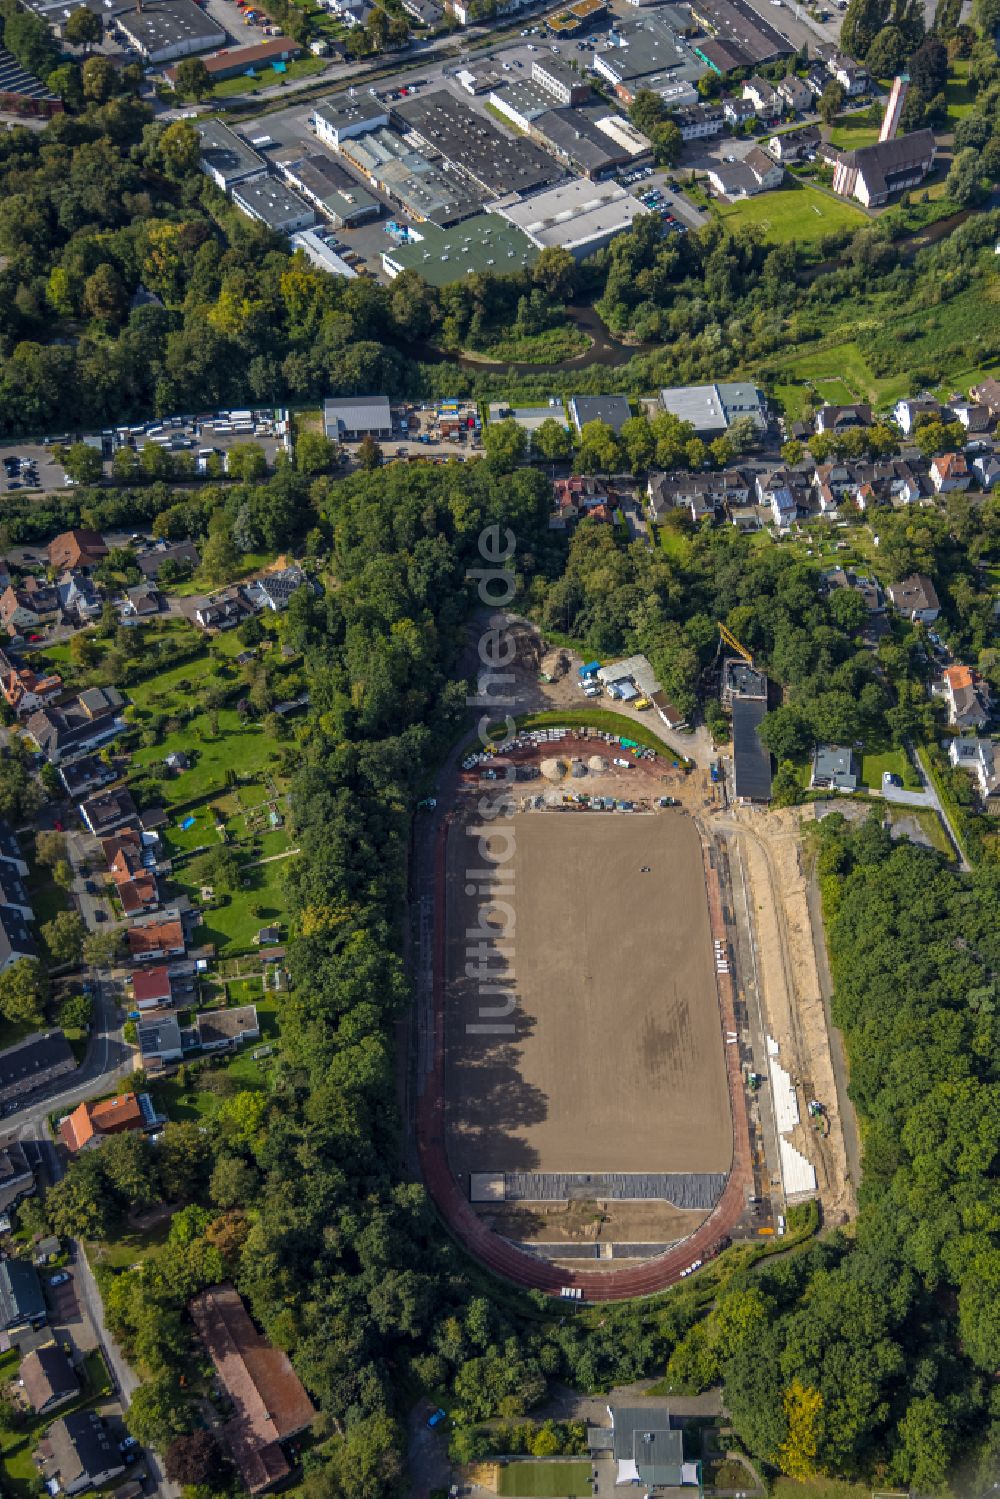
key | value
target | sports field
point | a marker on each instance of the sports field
(801, 213)
(541, 1480)
(613, 1059)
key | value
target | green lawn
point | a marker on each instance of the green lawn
(676, 545)
(961, 100)
(842, 362)
(799, 213)
(129, 1248)
(545, 1480)
(232, 927)
(819, 1488)
(237, 746)
(597, 718)
(873, 767)
(834, 391)
(302, 67)
(850, 132)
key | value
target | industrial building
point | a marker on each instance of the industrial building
(319, 254)
(337, 121)
(495, 163)
(330, 189)
(352, 417)
(580, 216)
(735, 21)
(171, 29)
(576, 17)
(226, 157)
(614, 411)
(589, 140)
(751, 760)
(712, 409)
(22, 92)
(564, 83)
(427, 190)
(647, 53)
(273, 204)
(486, 243)
(521, 102)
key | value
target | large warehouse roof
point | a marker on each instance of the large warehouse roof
(497, 163)
(576, 214)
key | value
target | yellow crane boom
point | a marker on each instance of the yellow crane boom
(734, 644)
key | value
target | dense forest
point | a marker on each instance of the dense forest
(867, 1352)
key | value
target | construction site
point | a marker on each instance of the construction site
(651, 1073)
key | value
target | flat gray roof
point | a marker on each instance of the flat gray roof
(272, 202)
(486, 242)
(224, 151)
(498, 163)
(172, 21)
(575, 213)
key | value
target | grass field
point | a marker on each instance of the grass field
(799, 213)
(238, 746)
(302, 67)
(850, 132)
(232, 927)
(545, 1480)
(896, 761)
(842, 362)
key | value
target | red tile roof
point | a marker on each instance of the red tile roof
(109, 1116)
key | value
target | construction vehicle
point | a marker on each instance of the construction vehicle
(734, 644)
(641, 703)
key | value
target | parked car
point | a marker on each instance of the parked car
(438, 1416)
(59, 1279)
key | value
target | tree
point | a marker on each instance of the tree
(23, 992)
(928, 67)
(219, 557)
(887, 54)
(314, 453)
(505, 445)
(638, 443)
(369, 453)
(191, 79)
(75, 1012)
(158, 1412)
(743, 434)
(551, 441)
(83, 463)
(831, 102)
(99, 79)
(50, 847)
(221, 868)
(667, 143)
(102, 949)
(555, 271)
(792, 451)
(83, 27)
(862, 23)
(79, 1206)
(599, 451)
(964, 183)
(646, 110)
(786, 788)
(195, 1458)
(234, 1182)
(104, 296)
(63, 936)
(803, 1409)
(786, 733)
(246, 461)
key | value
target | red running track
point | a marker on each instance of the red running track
(504, 1257)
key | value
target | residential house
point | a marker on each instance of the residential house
(794, 145)
(834, 419)
(86, 774)
(974, 417)
(738, 112)
(987, 470)
(90, 1123)
(267, 936)
(797, 95)
(78, 726)
(71, 549)
(47, 1378)
(907, 414)
(834, 768)
(28, 608)
(17, 1179)
(225, 611)
(267, 1398)
(135, 885)
(108, 811)
(181, 555)
(699, 121)
(613, 411)
(978, 758)
(769, 174)
(274, 590)
(153, 940)
(764, 98)
(23, 689)
(987, 393)
(756, 173)
(916, 598)
(967, 697)
(852, 76)
(817, 79)
(580, 494)
(22, 1304)
(13, 892)
(84, 1453)
(79, 599)
(774, 489)
(159, 1042)
(10, 849)
(142, 602)
(223, 1030)
(16, 941)
(34, 1062)
(152, 989)
(949, 471)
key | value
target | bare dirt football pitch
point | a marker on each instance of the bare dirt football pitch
(616, 1059)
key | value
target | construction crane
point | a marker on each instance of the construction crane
(734, 644)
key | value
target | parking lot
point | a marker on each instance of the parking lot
(26, 466)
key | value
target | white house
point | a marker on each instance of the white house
(950, 471)
(977, 757)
